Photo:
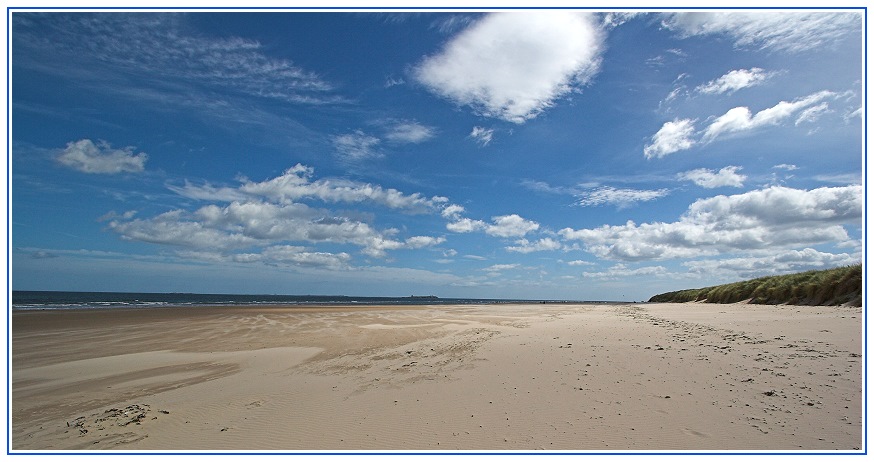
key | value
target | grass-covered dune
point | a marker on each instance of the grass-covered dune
(838, 286)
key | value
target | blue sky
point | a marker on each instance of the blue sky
(510, 154)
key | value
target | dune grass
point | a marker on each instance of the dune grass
(838, 286)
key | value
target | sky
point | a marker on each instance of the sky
(537, 154)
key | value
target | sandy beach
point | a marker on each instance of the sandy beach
(685, 377)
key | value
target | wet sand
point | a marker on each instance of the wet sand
(686, 377)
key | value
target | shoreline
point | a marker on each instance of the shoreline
(313, 306)
(515, 377)
(59, 300)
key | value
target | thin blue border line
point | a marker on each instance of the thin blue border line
(9, 11)
(443, 8)
(8, 230)
(865, 225)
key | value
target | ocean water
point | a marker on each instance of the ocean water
(50, 300)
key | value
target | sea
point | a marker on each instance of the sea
(54, 300)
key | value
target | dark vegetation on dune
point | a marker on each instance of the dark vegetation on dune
(838, 286)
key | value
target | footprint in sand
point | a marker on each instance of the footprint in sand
(691, 432)
(255, 404)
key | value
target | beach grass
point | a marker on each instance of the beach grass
(837, 286)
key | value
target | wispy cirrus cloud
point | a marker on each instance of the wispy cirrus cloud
(594, 194)
(502, 267)
(208, 192)
(154, 49)
(360, 145)
(514, 66)
(613, 19)
(620, 197)
(481, 135)
(544, 187)
(812, 114)
(404, 132)
(357, 146)
(787, 167)
(735, 80)
(790, 31)
(453, 23)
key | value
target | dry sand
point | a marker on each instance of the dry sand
(445, 378)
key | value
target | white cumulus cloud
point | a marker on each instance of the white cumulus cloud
(726, 176)
(502, 226)
(296, 183)
(514, 65)
(544, 244)
(672, 137)
(511, 226)
(452, 211)
(621, 271)
(264, 218)
(772, 218)
(783, 262)
(90, 157)
(377, 246)
(301, 257)
(580, 263)
(465, 225)
(742, 119)
(680, 134)
(242, 225)
(278, 255)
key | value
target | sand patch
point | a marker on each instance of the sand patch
(491, 377)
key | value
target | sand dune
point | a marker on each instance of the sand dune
(492, 377)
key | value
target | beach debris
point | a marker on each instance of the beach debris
(121, 417)
(79, 423)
